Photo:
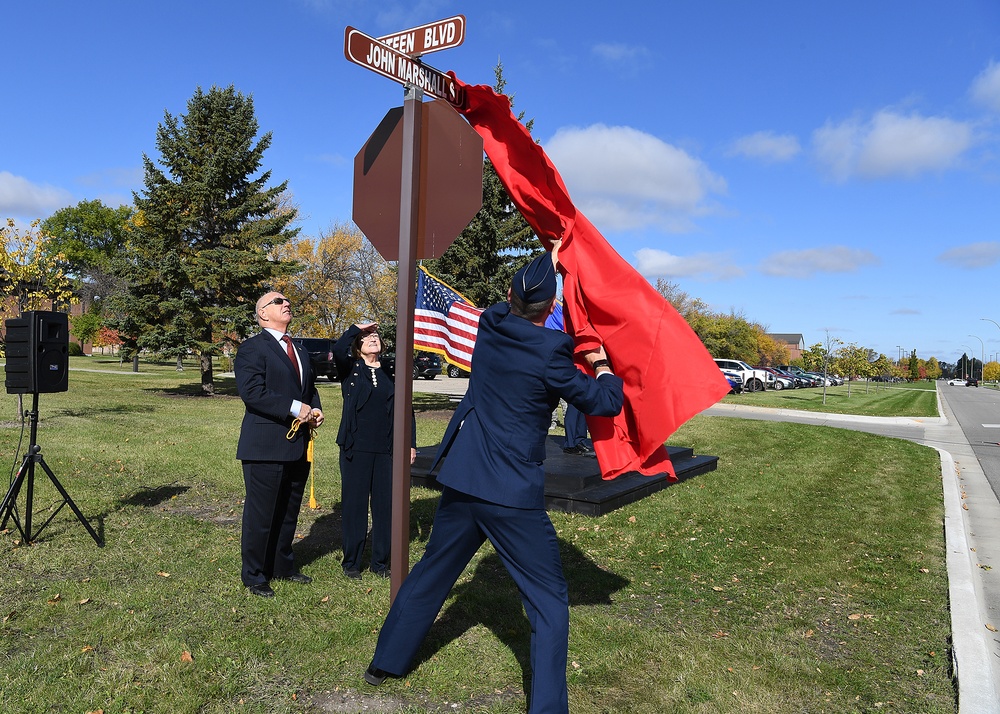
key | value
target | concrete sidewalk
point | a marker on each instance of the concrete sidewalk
(972, 537)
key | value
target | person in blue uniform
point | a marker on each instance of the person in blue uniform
(365, 440)
(278, 389)
(576, 441)
(494, 482)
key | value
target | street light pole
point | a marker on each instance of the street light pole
(982, 359)
(966, 355)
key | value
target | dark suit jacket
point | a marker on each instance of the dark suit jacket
(267, 383)
(495, 442)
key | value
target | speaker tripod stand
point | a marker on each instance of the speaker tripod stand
(26, 475)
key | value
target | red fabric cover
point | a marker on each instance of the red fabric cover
(669, 376)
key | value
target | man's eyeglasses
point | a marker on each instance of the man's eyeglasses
(276, 301)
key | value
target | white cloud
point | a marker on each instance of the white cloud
(21, 198)
(620, 52)
(828, 259)
(986, 87)
(890, 144)
(766, 146)
(653, 263)
(974, 255)
(625, 179)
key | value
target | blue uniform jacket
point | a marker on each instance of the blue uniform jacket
(495, 442)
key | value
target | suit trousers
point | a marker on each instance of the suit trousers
(528, 547)
(366, 476)
(270, 513)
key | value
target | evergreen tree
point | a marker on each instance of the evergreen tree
(498, 241)
(200, 251)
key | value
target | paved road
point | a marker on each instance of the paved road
(978, 413)
(969, 469)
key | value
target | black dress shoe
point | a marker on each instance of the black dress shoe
(353, 574)
(297, 578)
(261, 590)
(382, 573)
(375, 676)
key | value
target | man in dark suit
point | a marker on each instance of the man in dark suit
(494, 482)
(277, 385)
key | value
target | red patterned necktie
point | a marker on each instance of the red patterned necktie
(291, 355)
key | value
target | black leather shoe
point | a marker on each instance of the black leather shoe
(382, 573)
(375, 676)
(261, 590)
(353, 574)
(296, 578)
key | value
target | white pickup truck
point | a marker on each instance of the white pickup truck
(754, 380)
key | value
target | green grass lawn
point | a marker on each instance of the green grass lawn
(917, 399)
(806, 574)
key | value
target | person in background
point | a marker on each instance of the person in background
(576, 441)
(494, 482)
(365, 440)
(278, 389)
(574, 421)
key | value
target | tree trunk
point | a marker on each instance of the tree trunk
(180, 363)
(135, 362)
(207, 381)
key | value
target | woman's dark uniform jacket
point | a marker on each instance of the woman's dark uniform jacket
(356, 386)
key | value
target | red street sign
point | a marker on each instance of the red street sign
(369, 52)
(432, 37)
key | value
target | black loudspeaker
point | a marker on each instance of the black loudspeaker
(37, 345)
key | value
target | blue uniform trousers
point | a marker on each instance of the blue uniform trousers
(527, 545)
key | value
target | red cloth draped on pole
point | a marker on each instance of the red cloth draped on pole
(669, 375)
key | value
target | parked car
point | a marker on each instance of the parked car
(426, 365)
(802, 374)
(456, 371)
(972, 382)
(800, 381)
(735, 381)
(781, 381)
(754, 380)
(320, 355)
(957, 382)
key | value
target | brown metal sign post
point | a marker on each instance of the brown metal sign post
(409, 210)
(417, 78)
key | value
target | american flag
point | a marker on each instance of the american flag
(444, 321)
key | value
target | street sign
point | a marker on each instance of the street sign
(411, 203)
(450, 181)
(432, 37)
(369, 52)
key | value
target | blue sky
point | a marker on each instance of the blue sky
(823, 169)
